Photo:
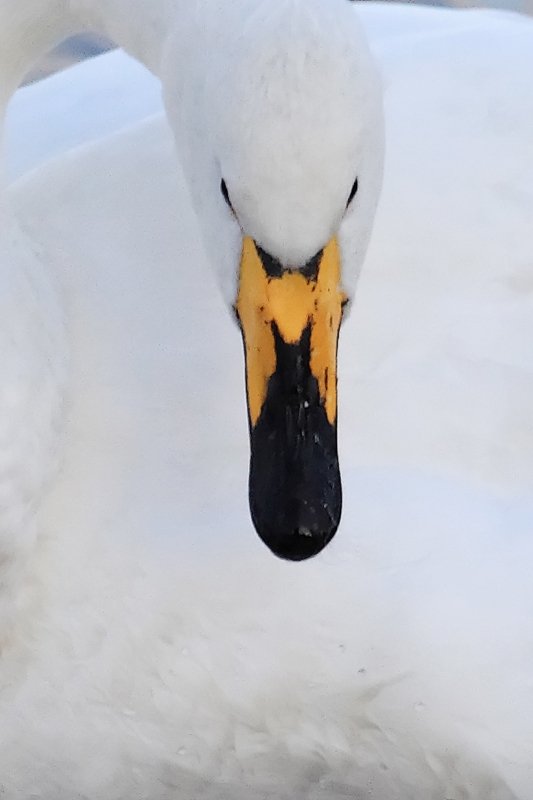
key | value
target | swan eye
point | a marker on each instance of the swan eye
(225, 193)
(353, 192)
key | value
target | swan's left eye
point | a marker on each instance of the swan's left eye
(225, 193)
(353, 192)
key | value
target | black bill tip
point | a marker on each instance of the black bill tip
(298, 541)
(295, 485)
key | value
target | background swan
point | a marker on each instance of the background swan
(152, 658)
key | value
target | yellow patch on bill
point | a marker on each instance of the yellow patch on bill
(292, 302)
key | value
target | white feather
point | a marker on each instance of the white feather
(151, 646)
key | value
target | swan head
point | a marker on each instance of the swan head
(278, 119)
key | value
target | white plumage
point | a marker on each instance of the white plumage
(151, 646)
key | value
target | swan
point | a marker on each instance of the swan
(150, 646)
(279, 245)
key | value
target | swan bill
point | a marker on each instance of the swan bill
(290, 320)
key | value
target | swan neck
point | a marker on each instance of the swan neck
(29, 29)
(140, 27)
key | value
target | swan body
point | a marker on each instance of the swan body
(151, 647)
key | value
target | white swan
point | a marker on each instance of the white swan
(144, 655)
(237, 88)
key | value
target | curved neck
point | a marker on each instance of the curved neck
(27, 31)
(30, 28)
(140, 27)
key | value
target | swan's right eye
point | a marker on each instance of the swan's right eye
(225, 193)
(353, 192)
